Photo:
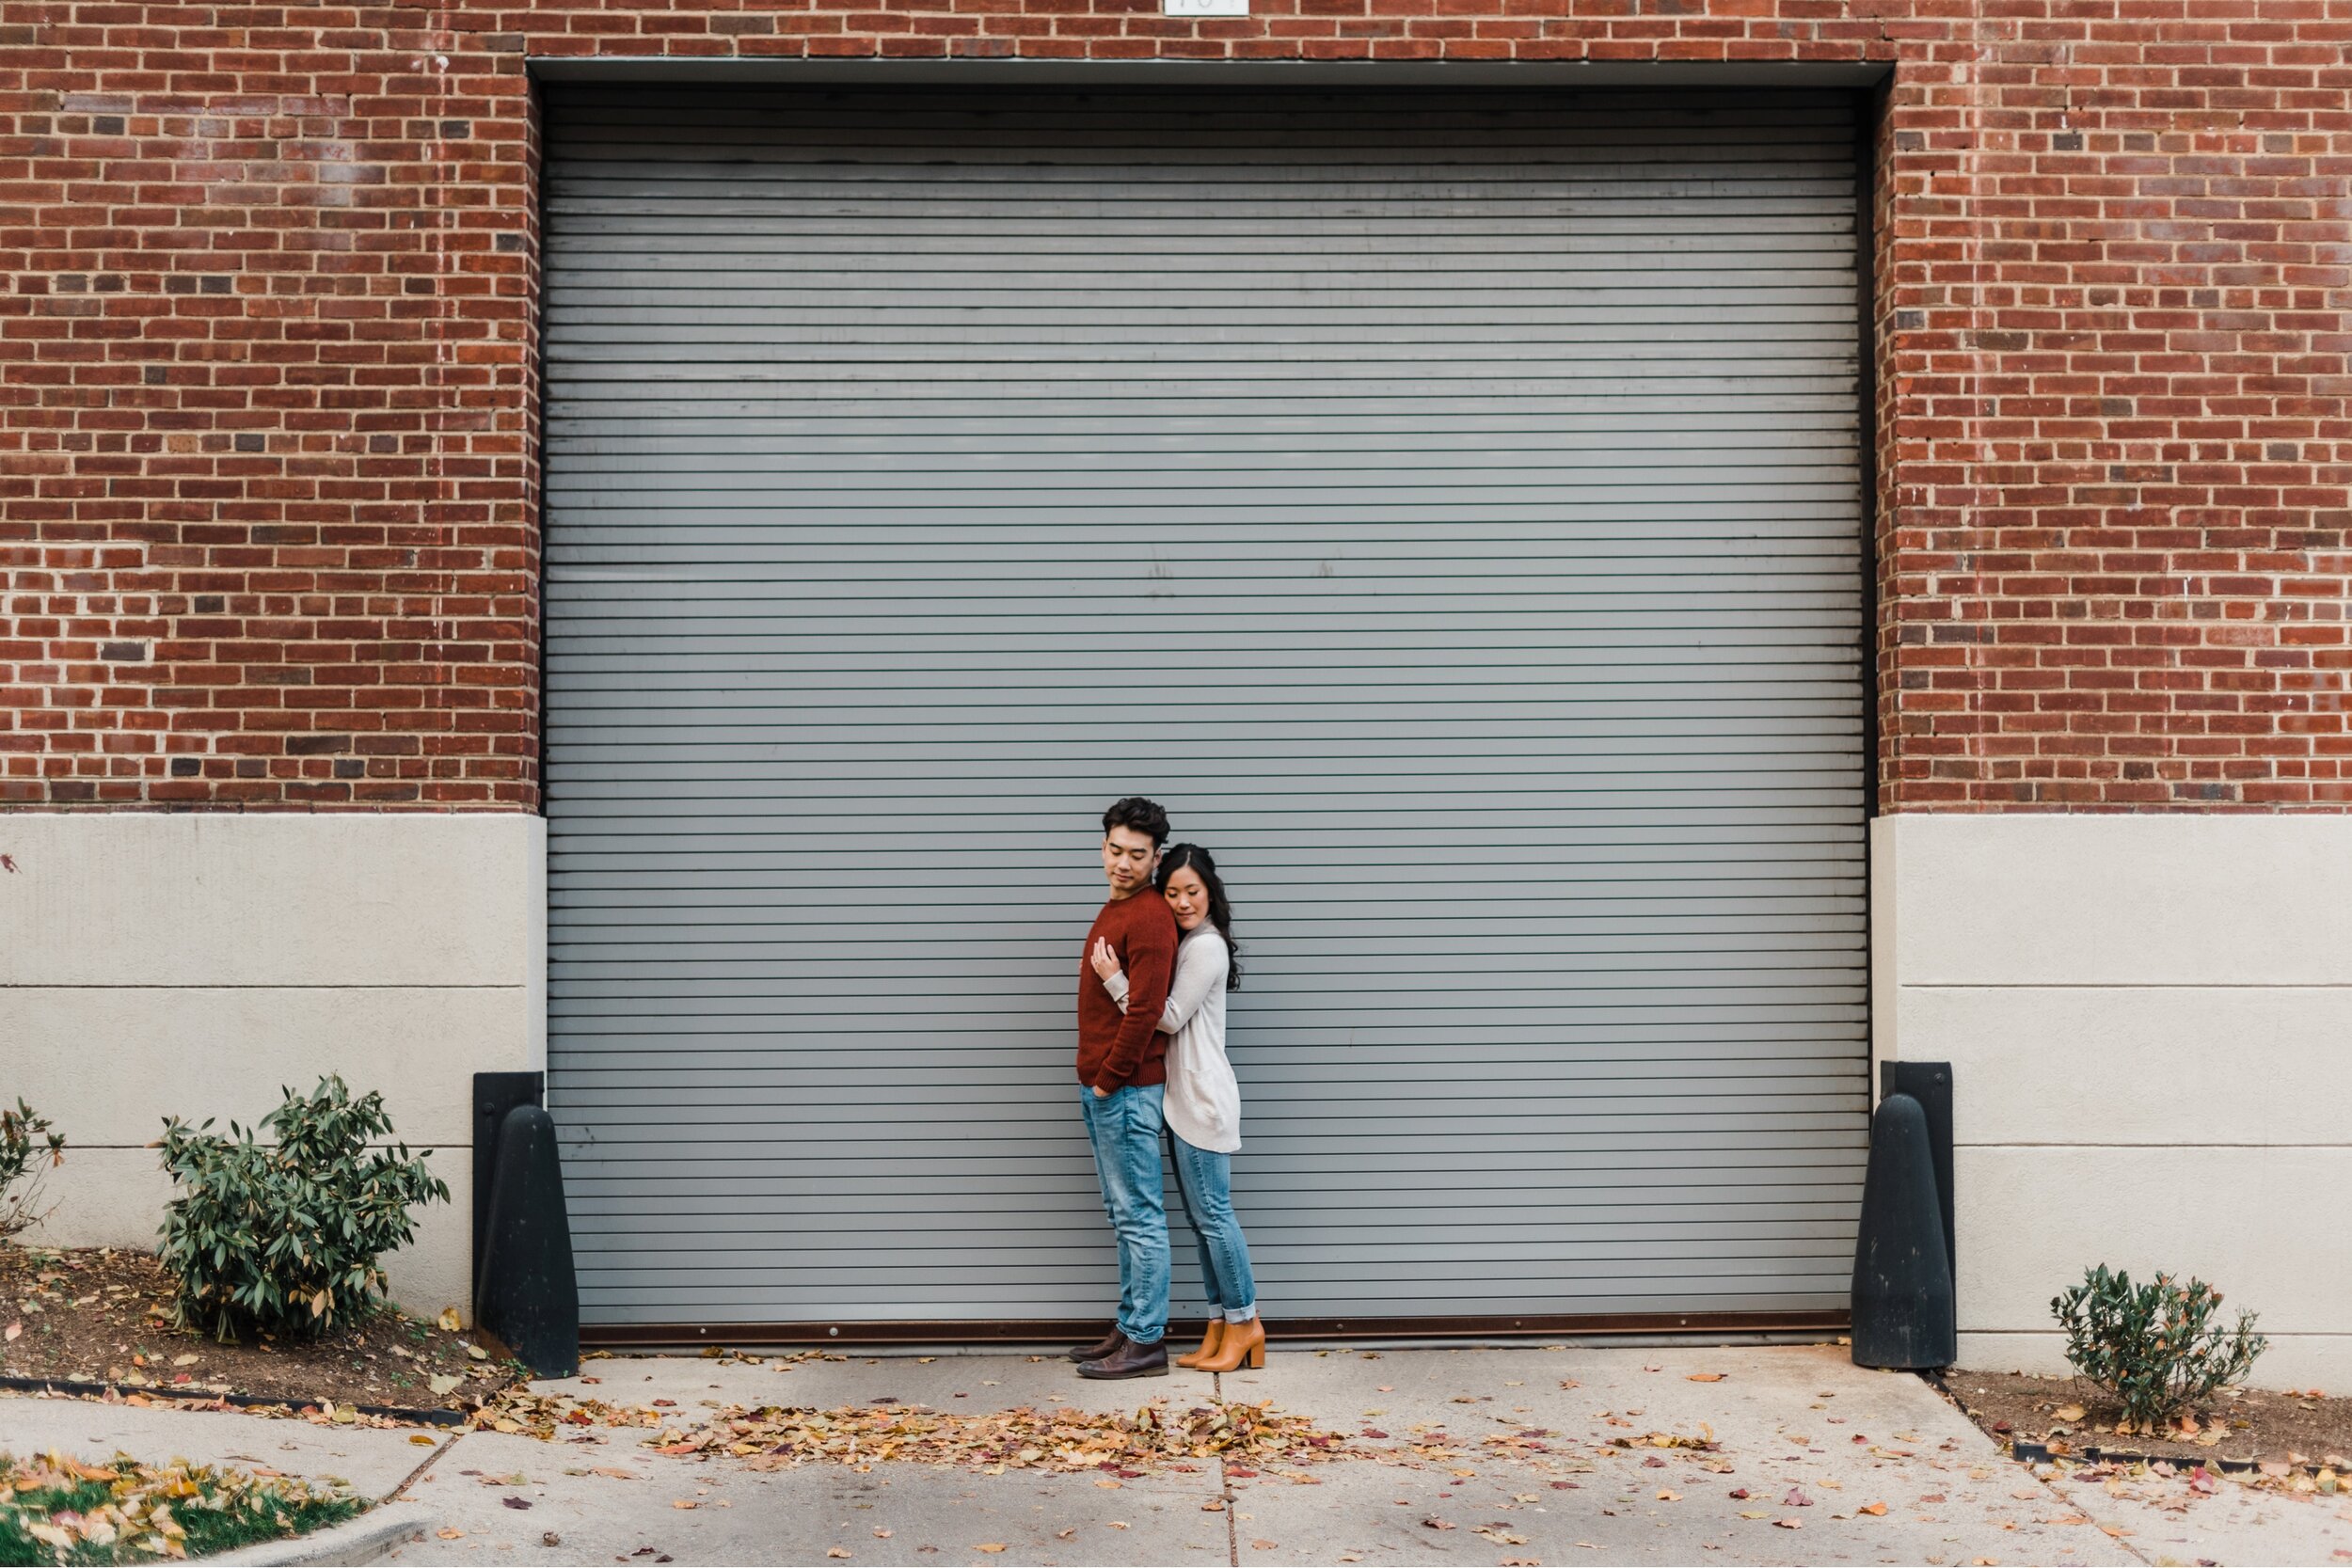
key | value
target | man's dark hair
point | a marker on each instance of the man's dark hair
(1144, 817)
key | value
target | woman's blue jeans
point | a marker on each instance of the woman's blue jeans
(1124, 1128)
(1206, 1179)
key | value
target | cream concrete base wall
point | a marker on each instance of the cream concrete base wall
(193, 964)
(2149, 1025)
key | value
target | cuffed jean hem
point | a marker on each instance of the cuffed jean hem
(1205, 1179)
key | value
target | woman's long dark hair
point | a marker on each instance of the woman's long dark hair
(1220, 909)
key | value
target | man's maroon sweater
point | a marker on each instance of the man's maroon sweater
(1115, 1047)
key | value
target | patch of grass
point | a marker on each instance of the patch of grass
(58, 1509)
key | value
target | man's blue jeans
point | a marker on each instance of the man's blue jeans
(1124, 1128)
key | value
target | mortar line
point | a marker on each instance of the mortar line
(1225, 1484)
(430, 1460)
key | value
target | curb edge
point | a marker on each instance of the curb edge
(370, 1537)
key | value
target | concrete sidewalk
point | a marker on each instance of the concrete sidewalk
(1809, 1437)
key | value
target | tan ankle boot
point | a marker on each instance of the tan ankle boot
(1240, 1342)
(1208, 1344)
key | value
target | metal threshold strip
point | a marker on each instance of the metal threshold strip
(1023, 1330)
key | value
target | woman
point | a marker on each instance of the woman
(1203, 1102)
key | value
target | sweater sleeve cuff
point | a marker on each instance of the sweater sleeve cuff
(1117, 986)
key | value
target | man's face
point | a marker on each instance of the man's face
(1129, 858)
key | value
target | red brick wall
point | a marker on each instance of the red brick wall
(268, 504)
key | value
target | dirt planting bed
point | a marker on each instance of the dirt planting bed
(2299, 1427)
(101, 1315)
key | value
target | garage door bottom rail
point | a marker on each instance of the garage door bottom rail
(952, 1331)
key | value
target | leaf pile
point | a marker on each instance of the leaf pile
(60, 1508)
(1519, 1443)
(1704, 1443)
(774, 1438)
(517, 1409)
(784, 1360)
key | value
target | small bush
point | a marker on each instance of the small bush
(2154, 1347)
(28, 1149)
(284, 1236)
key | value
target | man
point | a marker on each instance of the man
(1123, 1066)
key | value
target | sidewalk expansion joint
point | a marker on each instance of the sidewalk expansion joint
(1225, 1485)
(430, 1460)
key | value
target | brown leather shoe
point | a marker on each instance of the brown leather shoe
(1100, 1349)
(1129, 1360)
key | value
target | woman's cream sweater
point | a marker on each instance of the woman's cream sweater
(1203, 1100)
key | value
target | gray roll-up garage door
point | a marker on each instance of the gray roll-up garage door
(1446, 503)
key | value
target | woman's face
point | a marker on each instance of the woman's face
(1188, 896)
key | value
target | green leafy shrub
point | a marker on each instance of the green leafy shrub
(29, 1148)
(2154, 1347)
(284, 1236)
